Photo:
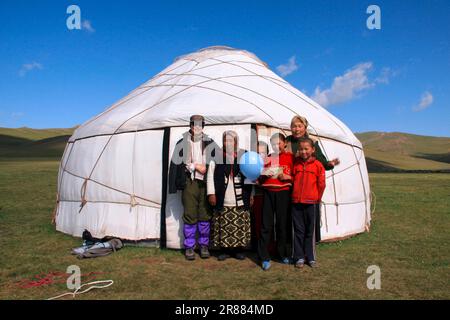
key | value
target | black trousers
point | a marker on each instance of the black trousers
(275, 212)
(304, 220)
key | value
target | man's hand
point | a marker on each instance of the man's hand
(212, 200)
(252, 201)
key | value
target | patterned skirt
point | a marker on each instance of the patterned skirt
(230, 228)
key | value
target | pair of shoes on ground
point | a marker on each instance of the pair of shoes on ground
(224, 256)
(300, 263)
(190, 254)
(266, 263)
(286, 260)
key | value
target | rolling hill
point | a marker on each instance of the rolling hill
(385, 151)
(395, 151)
(33, 143)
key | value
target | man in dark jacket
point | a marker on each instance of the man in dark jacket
(187, 172)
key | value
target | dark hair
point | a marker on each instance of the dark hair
(262, 144)
(233, 134)
(279, 136)
(306, 140)
(197, 117)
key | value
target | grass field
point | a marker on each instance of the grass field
(409, 241)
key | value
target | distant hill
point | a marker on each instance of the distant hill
(33, 143)
(395, 151)
(35, 134)
(384, 151)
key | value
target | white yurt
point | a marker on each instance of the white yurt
(113, 175)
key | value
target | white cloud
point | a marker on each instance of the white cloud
(27, 67)
(345, 87)
(386, 74)
(288, 68)
(86, 25)
(425, 101)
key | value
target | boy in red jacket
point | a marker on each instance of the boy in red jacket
(276, 181)
(309, 185)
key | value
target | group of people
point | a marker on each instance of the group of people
(218, 198)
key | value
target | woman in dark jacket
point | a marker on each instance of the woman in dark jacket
(231, 199)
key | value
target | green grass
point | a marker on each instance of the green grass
(409, 241)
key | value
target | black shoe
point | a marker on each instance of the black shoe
(223, 257)
(189, 254)
(240, 256)
(204, 252)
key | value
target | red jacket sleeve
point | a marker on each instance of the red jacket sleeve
(320, 179)
(288, 167)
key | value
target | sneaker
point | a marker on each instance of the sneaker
(266, 265)
(285, 260)
(240, 256)
(223, 257)
(204, 252)
(312, 264)
(300, 263)
(189, 254)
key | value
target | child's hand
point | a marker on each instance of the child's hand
(284, 177)
(212, 200)
(200, 168)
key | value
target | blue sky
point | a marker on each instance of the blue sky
(393, 79)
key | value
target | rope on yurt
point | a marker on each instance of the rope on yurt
(83, 188)
(292, 92)
(325, 215)
(55, 210)
(94, 285)
(120, 102)
(62, 167)
(366, 219)
(83, 194)
(115, 189)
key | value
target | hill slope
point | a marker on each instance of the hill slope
(395, 151)
(33, 143)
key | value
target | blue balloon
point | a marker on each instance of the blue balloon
(251, 165)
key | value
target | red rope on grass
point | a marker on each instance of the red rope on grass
(52, 278)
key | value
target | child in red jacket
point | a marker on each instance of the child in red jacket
(309, 185)
(276, 181)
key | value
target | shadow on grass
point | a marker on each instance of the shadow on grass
(442, 157)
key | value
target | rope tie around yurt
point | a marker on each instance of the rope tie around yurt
(55, 210)
(111, 188)
(325, 216)
(83, 194)
(133, 201)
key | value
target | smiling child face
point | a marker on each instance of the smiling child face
(306, 150)
(278, 145)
